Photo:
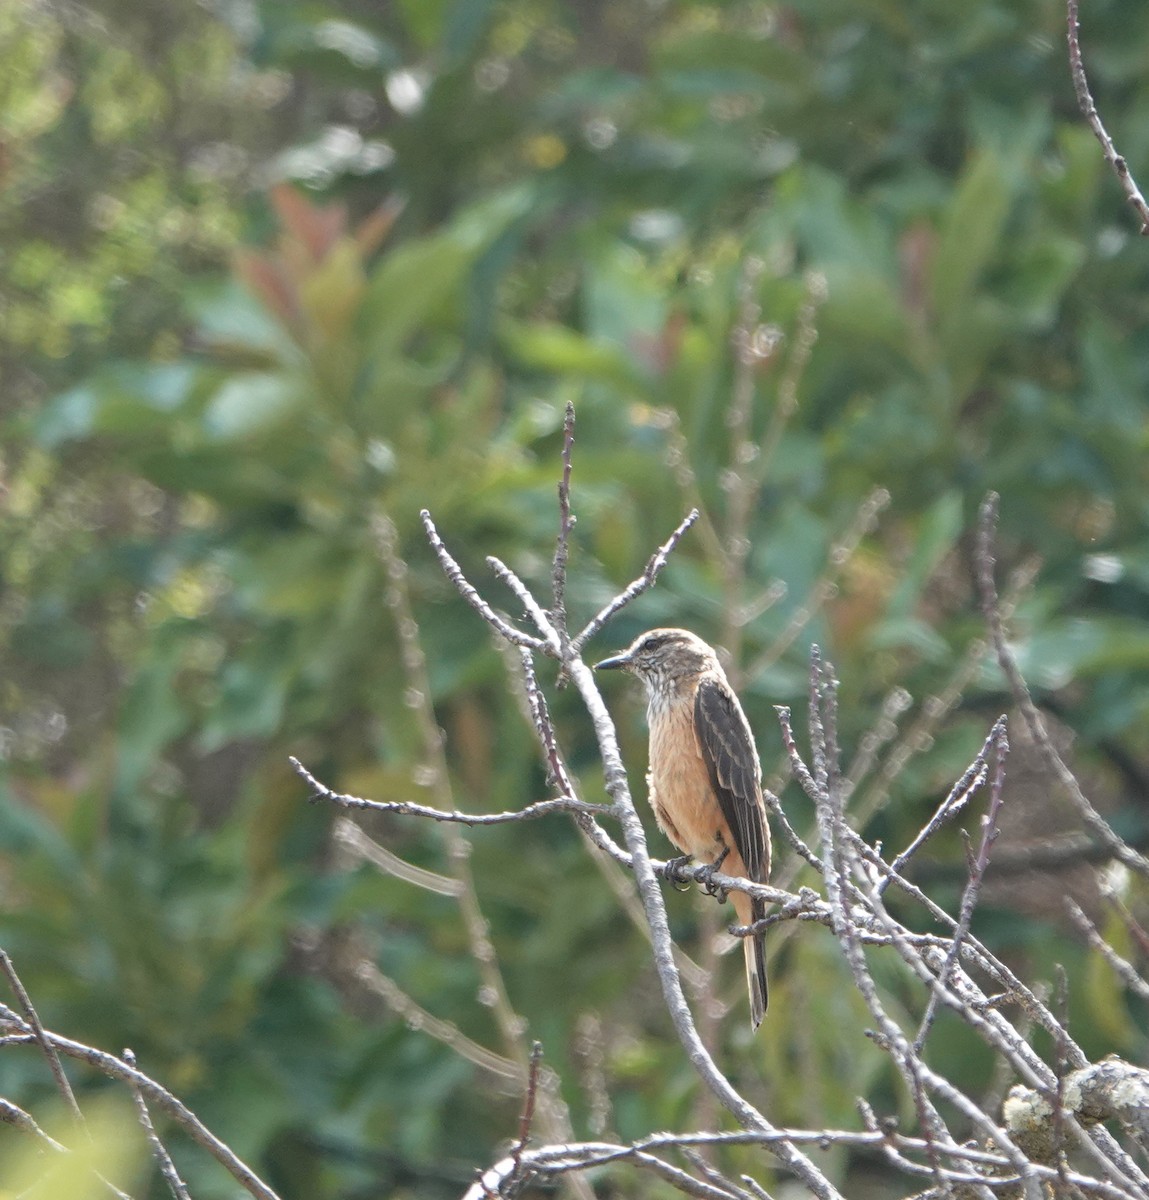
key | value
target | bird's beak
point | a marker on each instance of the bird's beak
(619, 661)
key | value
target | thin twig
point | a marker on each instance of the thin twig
(712, 1175)
(1060, 1068)
(42, 1039)
(531, 606)
(558, 612)
(159, 1096)
(837, 853)
(759, 1192)
(528, 1112)
(541, 808)
(819, 756)
(994, 967)
(959, 796)
(797, 764)
(14, 1115)
(774, 805)
(557, 774)
(1089, 111)
(828, 705)
(1125, 971)
(176, 1185)
(1000, 743)
(636, 587)
(583, 1155)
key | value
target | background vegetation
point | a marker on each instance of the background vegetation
(279, 275)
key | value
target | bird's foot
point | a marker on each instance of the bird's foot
(675, 872)
(705, 877)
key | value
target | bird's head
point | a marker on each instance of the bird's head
(662, 656)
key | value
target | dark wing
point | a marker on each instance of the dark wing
(732, 763)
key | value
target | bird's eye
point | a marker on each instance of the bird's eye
(655, 642)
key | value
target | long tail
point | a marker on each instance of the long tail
(754, 948)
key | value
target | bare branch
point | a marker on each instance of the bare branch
(557, 774)
(116, 1068)
(801, 772)
(533, 608)
(959, 796)
(970, 894)
(558, 612)
(712, 1175)
(636, 587)
(42, 1039)
(616, 784)
(455, 574)
(528, 1113)
(14, 1115)
(1089, 111)
(837, 854)
(542, 808)
(780, 819)
(997, 1176)
(176, 1185)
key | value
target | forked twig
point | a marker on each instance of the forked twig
(963, 790)
(455, 574)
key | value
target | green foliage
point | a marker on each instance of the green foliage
(222, 397)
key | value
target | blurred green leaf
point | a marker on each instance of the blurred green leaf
(250, 404)
(970, 235)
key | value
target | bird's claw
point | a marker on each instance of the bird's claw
(705, 877)
(675, 872)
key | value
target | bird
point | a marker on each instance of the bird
(704, 780)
